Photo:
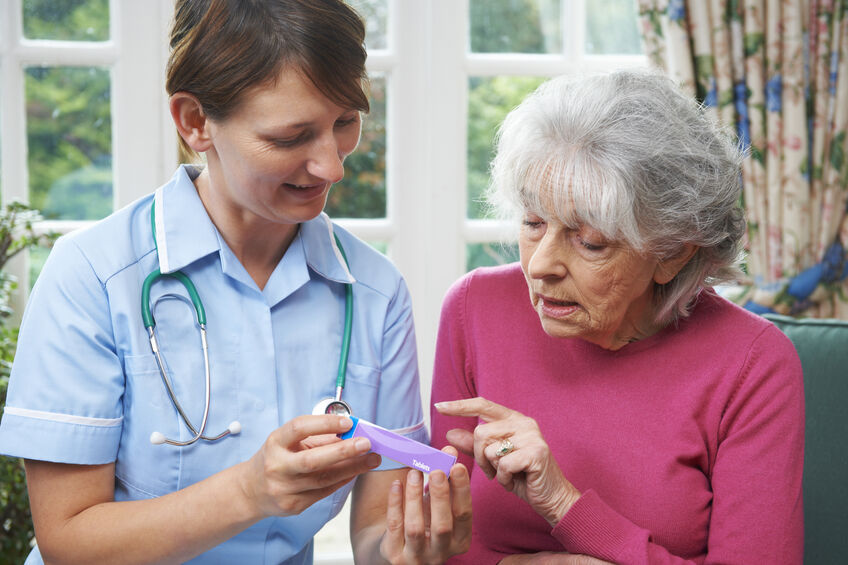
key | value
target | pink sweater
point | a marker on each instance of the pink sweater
(687, 446)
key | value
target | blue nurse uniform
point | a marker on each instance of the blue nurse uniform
(85, 387)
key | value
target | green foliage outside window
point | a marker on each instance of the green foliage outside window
(489, 101)
(362, 192)
(66, 20)
(69, 131)
(515, 26)
(17, 234)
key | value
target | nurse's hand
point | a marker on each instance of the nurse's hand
(302, 462)
(523, 465)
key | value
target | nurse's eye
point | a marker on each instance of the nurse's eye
(299, 139)
(348, 121)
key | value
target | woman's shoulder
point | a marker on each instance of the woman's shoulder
(488, 290)
(714, 312)
(487, 280)
(729, 327)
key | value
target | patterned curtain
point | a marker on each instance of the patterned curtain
(777, 72)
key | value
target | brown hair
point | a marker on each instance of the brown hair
(222, 48)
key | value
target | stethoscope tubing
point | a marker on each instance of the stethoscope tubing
(338, 405)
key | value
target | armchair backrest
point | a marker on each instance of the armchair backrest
(822, 346)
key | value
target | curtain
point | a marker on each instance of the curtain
(776, 71)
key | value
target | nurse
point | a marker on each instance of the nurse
(271, 93)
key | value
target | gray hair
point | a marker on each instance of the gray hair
(630, 155)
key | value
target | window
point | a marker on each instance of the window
(84, 126)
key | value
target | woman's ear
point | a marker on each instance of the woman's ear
(668, 268)
(190, 120)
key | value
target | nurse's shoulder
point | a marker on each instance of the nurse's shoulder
(119, 240)
(369, 267)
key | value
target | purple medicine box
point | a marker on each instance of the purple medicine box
(401, 449)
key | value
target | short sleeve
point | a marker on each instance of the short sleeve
(64, 401)
(399, 397)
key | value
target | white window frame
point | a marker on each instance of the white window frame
(427, 65)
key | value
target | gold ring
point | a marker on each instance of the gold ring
(504, 448)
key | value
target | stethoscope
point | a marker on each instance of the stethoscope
(333, 405)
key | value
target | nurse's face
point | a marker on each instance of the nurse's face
(585, 286)
(276, 157)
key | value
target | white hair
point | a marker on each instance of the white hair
(630, 155)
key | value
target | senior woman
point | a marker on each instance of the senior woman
(626, 412)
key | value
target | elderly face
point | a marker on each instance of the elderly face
(586, 286)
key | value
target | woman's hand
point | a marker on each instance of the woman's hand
(523, 464)
(302, 462)
(428, 527)
(393, 519)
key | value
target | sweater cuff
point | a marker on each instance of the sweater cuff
(591, 527)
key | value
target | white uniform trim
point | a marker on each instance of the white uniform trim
(336, 250)
(410, 429)
(162, 245)
(64, 418)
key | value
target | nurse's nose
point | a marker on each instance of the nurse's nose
(327, 161)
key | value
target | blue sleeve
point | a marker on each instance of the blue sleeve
(64, 401)
(399, 397)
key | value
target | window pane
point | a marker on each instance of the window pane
(611, 27)
(69, 135)
(489, 101)
(37, 256)
(375, 13)
(362, 192)
(489, 254)
(68, 20)
(381, 246)
(515, 26)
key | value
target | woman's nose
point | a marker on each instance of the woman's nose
(548, 257)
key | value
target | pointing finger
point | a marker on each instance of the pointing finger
(479, 406)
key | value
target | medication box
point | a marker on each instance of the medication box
(401, 449)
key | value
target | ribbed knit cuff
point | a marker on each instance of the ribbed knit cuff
(591, 527)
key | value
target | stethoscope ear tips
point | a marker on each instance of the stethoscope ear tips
(157, 438)
(234, 427)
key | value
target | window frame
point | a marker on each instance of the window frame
(425, 228)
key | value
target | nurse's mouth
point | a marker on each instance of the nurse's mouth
(304, 186)
(306, 190)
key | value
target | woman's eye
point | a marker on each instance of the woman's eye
(591, 246)
(532, 221)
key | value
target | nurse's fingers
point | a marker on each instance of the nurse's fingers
(323, 460)
(292, 433)
(479, 406)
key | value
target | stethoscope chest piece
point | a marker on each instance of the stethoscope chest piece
(332, 406)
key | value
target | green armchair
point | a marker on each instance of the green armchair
(822, 346)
